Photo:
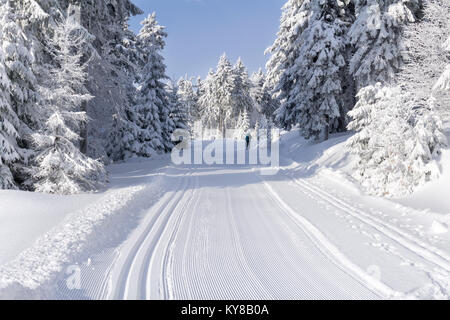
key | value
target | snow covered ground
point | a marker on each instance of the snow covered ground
(162, 231)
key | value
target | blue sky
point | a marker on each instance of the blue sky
(201, 30)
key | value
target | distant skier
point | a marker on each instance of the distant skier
(247, 141)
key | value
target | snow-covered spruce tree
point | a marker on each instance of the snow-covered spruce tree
(110, 79)
(19, 66)
(284, 51)
(151, 113)
(376, 38)
(9, 122)
(242, 125)
(207, 101)
(126, 60)
(396, 146)
(262, 96)
(122, 143)
(22, 93)
(216, 96)
(224, 86)
(241, 98)
(60, 167)
(189, 99)
(312, 89)
(178, 110)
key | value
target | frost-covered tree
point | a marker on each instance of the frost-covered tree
(188, 97)
(216, 96)
(242, 125)
(152, 41)
(209, 109)
(397, 145)
(241, 98)
(376, 38)
(122, 143)
(262, 96)
(224, 86)
(18, 63)
(19, 66)
(9, 122)
(425, 58)
(284, 51)
(312, 89)
(178, 109)
(60, 167)
(149, 117)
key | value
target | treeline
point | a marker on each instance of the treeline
(78, 90)
(228, 98)
(378, 67)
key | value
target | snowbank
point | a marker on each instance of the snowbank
(332, 160)
(25, 216)
(73, 228)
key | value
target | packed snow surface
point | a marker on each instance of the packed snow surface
(163, 231)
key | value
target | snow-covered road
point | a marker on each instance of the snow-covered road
(230, 233)
(227, 232)
(222, 234)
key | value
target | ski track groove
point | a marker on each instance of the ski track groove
(167, 273)
(241, 257)
(186, 251)
(184, 283)
(144, 284)
(313, 285)
(120, 291)
(331, 251)
(286, 266)
(417, 247)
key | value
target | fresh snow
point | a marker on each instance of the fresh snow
(226, 232)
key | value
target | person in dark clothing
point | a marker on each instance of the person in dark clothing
(247, 141)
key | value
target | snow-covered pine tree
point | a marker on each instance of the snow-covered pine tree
(60, 167)
(19, 66)
(207, 102)
(151, 114)
(189, 99)
(216, 96)
(312, 89)
(224, 86)
(241, 98)
(284, 51)
(110, 78)
(262, 96)
(9, 122)
(376, 38)
(242, 125)
(178, 110)
(397, 147)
